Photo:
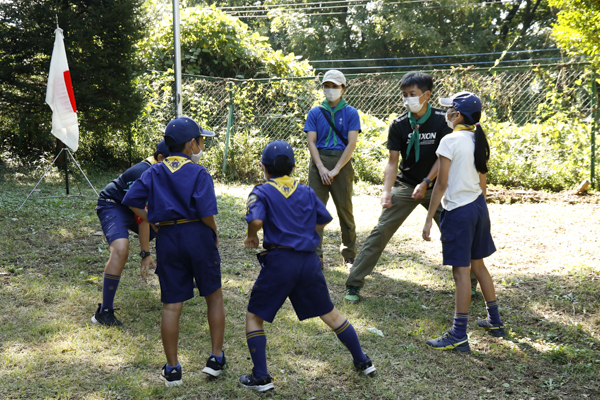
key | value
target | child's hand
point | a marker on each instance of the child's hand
(251, 242)
(146, 263)
(427, 230)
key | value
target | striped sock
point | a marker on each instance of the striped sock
(459, 328)
(109, 289)
(492, 310)
(257, 344)
(349, 338)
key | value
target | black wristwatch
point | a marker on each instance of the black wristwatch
(144, 254)
(428, 182)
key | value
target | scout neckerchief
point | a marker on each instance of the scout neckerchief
(150, 160)
(174, 163)
(415, 125)
(284, 184)
(337, 108)
(464, 127)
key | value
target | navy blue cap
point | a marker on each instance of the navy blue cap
(162, 148)
(466, 103)
(277, 148)
(183, 129)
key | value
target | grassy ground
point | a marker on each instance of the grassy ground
(546, 270)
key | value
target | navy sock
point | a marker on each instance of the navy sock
(349, 338)
(459, 328)
(219, 358)
(493, 314)
(109, 289)
(169, 368)
(257, 344)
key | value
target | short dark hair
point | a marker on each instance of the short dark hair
(419, 79)
(281, 166)
(178, 148)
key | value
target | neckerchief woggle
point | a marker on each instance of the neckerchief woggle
(415, 138)
(337, 108)
(284, 184)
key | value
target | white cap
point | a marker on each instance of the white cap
(334, 76)
(447, 101)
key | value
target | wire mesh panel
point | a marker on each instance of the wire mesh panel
(276, 108)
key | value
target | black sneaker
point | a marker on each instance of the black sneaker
(213, 367)
(261, 384)
(172, 378)
(366, 366)
(105, 317)
(496, 330)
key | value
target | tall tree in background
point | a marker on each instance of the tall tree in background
(578, 28)
(100, 38)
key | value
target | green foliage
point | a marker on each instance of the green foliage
(554, 155)
(578, 26)
(371, 154)
(99, 39)
(215, 44)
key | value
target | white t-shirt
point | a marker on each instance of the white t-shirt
(463, 179)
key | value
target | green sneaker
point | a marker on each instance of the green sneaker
(352, 294)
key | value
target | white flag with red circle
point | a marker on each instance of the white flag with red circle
(60, 97)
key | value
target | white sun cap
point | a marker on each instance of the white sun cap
(334, 76)
(447, 101)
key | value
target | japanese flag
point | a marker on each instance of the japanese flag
(60, 97)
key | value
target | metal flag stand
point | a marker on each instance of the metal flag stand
(67, 151)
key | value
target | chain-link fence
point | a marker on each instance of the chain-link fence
(276, 108)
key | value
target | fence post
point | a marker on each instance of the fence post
(595, 125)
(229, 125)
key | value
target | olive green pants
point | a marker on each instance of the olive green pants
(341, 193)
(389, 222)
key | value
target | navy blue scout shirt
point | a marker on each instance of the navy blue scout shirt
(431, 132)
(174, 189)
(346, 120)
(116, 190)
(289, 211)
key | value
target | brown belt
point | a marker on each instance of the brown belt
(177, 222)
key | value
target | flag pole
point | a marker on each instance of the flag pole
(177, 54)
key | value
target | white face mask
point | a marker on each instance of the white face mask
(332, 94)
(196, 157)
(448, 122)
(413, 104)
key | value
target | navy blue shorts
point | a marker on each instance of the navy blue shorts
(184, 253)
(466, 234)
(117, 220)
(294, 274)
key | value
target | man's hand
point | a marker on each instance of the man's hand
(145, 266)
(251, 242)
(324, 173)
(153, 226)
(419, 192)
(427, 230)
(386, 199)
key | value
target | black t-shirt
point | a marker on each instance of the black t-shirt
(117, 189)
(431, 132)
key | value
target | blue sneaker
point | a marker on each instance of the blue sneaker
(449, 342)
(496, 330)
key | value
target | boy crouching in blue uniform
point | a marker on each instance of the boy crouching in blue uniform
(290, 215)
(181, 201)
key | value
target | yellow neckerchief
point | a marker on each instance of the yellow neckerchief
(174, 163)
(464, 127)
(284, 184)
(150, 160)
